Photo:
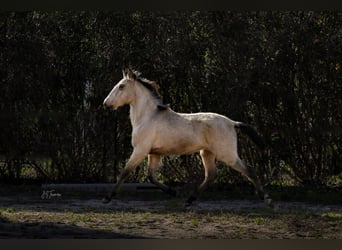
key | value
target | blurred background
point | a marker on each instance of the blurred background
(278, 71)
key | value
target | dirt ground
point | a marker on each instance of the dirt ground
(30, 216)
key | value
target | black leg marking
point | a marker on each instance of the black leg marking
(250, 171)
(261, 195)
(150, 178)
(171, 192)
(190, 200)
(268, 201)
(165, 189)
(106, 199)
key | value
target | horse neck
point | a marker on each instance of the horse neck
(142, 107)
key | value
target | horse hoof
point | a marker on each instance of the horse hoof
(172, 192)
(189, 201)
(187, 204)
(106, 200)
(268, 201)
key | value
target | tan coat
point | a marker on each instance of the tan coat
(167, 132)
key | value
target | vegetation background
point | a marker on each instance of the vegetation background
(278, 71)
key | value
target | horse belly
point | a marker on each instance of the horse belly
(176, 147)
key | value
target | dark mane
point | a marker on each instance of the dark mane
(150, 85)
(153, 87)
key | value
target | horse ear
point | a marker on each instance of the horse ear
(130, 74)
(155, 85)
(123, 74)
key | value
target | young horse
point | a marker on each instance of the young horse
(158, 130)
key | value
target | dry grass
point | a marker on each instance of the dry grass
(31, 217)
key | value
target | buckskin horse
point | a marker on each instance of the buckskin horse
(157, 130)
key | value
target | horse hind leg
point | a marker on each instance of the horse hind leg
(210, 169)
(153, 165)
(249, 172)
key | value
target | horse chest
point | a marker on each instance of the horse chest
(141, 135)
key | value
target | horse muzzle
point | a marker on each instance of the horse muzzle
(106, 106)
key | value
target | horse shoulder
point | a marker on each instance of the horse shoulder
(143, 134)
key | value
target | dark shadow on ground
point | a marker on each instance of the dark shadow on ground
(48, 230)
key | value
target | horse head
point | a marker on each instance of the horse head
(123, 92)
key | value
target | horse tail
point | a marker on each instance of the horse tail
(252, 134)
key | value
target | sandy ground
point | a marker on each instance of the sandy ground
(132, 217)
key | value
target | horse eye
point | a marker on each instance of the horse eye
(121, 87)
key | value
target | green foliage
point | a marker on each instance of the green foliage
(279, 71)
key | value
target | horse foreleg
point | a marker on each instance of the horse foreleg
(210, 169)
(136, 157)
(153, 164)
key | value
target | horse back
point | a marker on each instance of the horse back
(177, 133)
